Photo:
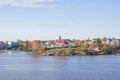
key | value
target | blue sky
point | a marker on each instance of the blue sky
(47, 19)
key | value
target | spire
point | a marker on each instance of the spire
(59, 37)
(88, 38)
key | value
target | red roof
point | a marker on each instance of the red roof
(60, 41)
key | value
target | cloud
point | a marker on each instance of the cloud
(28, 3)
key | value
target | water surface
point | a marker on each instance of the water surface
(21, 66)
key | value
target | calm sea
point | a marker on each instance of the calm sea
(21, 66)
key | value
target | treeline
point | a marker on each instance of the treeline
(96, 46)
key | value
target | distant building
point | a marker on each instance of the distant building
(62, 43)
(114, 41)
(117, 42)
(47, 44)
(2, 45)
(96, 47)
(58, 43)
(72, 44)
(88, 41)
(12, 45)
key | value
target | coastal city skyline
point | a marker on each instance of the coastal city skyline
(48, 19)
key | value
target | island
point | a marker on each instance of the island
(65, 47)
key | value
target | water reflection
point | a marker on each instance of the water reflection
(60, 58)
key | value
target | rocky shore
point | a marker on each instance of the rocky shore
(72, 52)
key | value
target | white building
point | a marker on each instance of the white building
(114, 41)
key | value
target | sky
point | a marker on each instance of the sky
(48, 19)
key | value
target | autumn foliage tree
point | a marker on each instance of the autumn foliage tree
(113, 48)
(78, 43)
(36, 46)
(104, 39)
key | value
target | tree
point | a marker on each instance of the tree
(113, 47)
(25, 46)
(78, 43)
(106, 47)
(35, 45)
(97, 41)
(86, 44)
(104, 40)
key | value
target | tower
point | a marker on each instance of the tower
(60, 38)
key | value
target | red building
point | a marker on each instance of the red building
(60, 41)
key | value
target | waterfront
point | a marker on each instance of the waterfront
(21, 66)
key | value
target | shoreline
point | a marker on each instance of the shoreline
(12, 51)
(58, 54)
